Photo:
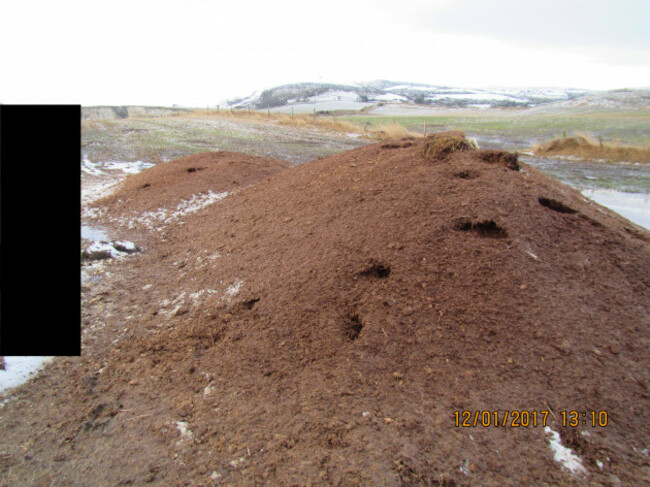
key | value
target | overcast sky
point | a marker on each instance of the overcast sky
(199, 52)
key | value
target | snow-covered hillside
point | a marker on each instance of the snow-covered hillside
(307, 97)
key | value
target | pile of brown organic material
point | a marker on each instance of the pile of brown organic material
(151, 197)
(325, 326)
(586, 147)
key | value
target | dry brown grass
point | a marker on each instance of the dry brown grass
(304, 120)
(439, 145)
(390, 131)
(584, 146)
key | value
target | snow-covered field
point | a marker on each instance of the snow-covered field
(322, 106)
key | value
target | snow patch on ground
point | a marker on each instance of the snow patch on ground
(197, 296)
(92, 168)
(154, 219)
(564, 455)
(335, 96)
(100, 168)
(475, 97)
(111, 248)
(233, 289)
(100, 250)
(96, 192)
(390, 97)
(185, 432)
(20, 369)
(127, 167)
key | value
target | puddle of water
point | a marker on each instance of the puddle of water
(629, 178)
(623, 188)
(93, 233)
(633, 206)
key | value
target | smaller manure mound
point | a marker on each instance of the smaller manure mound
(183, 185)
(585, 147)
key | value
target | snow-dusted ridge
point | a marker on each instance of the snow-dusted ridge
(315, 94)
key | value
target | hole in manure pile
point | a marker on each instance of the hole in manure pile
(146, 185)
(397, 146)
(376, 269)
(250, 303)
(467, 175)
(502, 158)
(353, 327)
(487, 228)
(556, 206)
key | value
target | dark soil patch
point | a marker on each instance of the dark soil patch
(353, 327)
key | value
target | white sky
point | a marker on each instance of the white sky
(199, 52)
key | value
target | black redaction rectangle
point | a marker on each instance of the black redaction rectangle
(40, 230)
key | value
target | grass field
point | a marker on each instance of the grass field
(520, 129)
(304, 138)
(159, 139)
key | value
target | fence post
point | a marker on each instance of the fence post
(292, 112)
(425, 128)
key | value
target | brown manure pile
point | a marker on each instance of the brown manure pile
(330, 325)
(585, 147)
(183, 185)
